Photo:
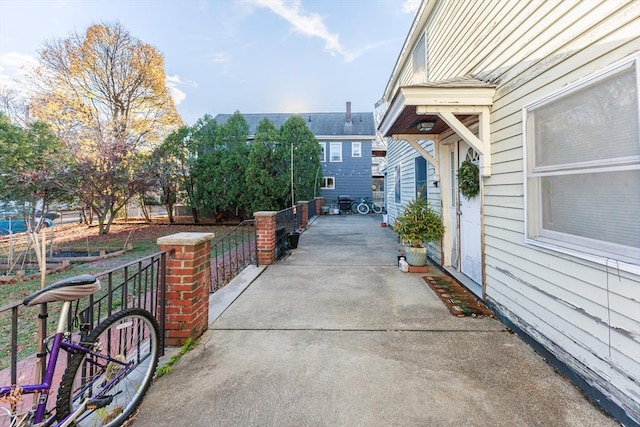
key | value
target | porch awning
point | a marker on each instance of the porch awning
(446, 104)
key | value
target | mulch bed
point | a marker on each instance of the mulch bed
(458, 299)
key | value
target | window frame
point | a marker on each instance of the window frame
(353, 150)
(332, 145)
(624, 257)
(424, 182)
(325, 180)
(323, 152)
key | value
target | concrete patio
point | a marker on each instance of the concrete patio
(336, 335)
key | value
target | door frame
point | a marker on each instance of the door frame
(451, 208)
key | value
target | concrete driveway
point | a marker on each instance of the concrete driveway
(336, 335)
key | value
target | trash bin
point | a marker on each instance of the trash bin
(293, 239)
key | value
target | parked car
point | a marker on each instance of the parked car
(49, 215)
(18, 225)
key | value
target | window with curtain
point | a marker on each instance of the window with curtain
(323, 151)
(328, 183)
(335, 151)
(583, 167)
(356, 149)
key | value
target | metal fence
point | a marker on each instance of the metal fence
(232, 253)
(139, 283)
(311, 212)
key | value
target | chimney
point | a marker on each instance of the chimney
(348, 112)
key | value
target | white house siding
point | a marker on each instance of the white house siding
(587, 315)
(559, 300)
(400, 152)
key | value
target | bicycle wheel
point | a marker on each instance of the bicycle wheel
(113, 391)
(363, 208)
(376, 208)
(354, 207)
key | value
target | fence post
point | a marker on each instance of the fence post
(305, 214)
(188, 276)
(266, 236)
(319, 204)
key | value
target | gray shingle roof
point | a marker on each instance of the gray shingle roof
(319, 123)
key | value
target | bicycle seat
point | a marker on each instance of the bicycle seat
(69, 289)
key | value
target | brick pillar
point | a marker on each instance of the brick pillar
(266, 236)
(319, 204)
(187, 279)
(305, 213)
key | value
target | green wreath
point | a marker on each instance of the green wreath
(469, 179)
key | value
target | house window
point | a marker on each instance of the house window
(583, 168)
(420, 61)
(335, 151)
(328, 183)
(454, 178)
(421, 176)
(356, 149)
(397, 185)
(323, 151)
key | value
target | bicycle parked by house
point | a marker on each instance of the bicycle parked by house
(364, 206)
(109, 370)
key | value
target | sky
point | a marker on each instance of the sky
(221, 56)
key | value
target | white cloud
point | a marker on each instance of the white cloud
(411, 6)
(310, 24)
(177, 94)
(219, 58)
(15, 69)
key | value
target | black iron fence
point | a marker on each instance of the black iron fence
(232, 253)
(311, 211)
(288, 221)
(139, 283)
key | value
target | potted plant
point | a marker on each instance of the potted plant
(417, 225)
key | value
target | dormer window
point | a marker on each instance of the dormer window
(420, 61)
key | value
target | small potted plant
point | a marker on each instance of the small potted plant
(417, 225)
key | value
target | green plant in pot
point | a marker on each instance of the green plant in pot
(417, 225)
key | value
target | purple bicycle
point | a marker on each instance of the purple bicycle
(108, 373)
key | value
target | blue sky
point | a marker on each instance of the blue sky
(248, 55)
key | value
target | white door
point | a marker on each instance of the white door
(470, 225)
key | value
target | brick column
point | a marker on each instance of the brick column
(266, 236)
(187, 279)
(319, 204)
(305, 213)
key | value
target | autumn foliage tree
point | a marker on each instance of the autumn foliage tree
(103, 92)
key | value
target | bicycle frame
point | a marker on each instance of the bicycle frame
(62, 341)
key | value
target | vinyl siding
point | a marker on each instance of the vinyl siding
(401, 152)
(587, 315)
(352, 176)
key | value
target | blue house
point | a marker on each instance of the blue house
(346, 140)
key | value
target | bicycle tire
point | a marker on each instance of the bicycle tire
(354, 207)
(376, 208)
(132, 334)
(363, 208)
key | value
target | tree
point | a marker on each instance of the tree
(306, 158)
(167, 164)
(34, 165)
(262, 175)
(104, 94)
(222, 161)
(206, 178)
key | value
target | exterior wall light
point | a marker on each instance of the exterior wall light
(425, 126)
